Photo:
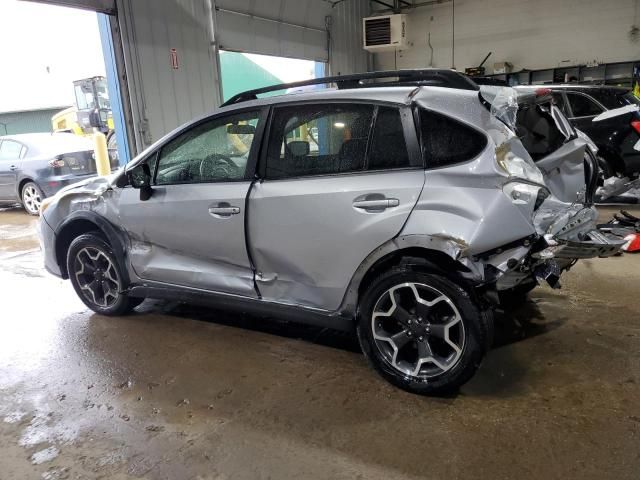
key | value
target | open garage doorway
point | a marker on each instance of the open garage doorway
(246, 71)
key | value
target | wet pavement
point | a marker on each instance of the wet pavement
(182, 392)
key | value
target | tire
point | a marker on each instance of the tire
(90, 259)
(606, 169)
(452, 334)
(516, 296)
(31, 197)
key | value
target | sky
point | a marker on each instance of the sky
(43, 48)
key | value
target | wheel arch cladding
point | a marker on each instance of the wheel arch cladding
(79, 223)
(21, 185)
(441, 260)
(419, 258)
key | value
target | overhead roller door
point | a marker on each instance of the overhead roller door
(285, 28)
(103, 6)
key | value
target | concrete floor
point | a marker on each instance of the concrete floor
(182, 392)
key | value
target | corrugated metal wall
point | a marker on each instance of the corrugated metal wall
(163, 95)
(32, 121)
(167, 89)
(347, 54)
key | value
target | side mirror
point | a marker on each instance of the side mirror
(140, 177)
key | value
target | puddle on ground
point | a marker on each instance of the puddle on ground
(45, 455)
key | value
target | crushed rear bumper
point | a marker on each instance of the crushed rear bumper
(594, 244)
(574, 235)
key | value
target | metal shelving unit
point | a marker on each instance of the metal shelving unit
(617, 73)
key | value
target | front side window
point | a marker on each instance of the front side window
(10, 150)
(446, 141)
(583, 106)
(214, 151)
(318, 140)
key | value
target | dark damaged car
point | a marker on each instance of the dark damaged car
(406, 211)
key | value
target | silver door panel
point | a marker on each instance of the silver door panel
(307, 237)
(176, 239)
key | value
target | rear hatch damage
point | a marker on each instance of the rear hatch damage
(563, 216)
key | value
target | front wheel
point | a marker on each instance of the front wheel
(422, 332)
(96, 276)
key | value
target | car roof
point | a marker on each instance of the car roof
(381, 94)
(51, 143)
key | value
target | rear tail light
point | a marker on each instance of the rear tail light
(636, 125)
(632, 243)
(57, 162)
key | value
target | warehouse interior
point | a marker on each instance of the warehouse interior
(181, 390)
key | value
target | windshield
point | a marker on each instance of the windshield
(103, 94)
(86, 95)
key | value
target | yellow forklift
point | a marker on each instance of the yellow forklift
(92, 110)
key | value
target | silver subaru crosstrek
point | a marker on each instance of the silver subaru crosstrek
(406, 210)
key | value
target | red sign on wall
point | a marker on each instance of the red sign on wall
(173, 55)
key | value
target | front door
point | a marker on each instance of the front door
(339, 181)
(10, 153)
(191, 231)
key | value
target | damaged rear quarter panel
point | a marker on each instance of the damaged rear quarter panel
(465, 202)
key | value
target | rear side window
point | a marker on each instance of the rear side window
(318, 140)
(10, 150)
(388, 146)
(446, 141)
(583, 106)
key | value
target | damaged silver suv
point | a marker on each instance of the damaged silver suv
(408, 209)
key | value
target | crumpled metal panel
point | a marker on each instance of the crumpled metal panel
(564, 171)
(307, 239)
(465, 202)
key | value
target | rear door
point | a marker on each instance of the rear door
(191, 232)
(338, 180)
(10, 158)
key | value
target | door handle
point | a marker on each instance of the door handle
(377, 204)
(13, 168)
(223, 211)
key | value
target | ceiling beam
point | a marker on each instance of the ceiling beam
(102, 6)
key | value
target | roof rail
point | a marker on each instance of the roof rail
(428, 76)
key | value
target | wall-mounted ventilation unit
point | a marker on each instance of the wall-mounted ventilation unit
(386, 32)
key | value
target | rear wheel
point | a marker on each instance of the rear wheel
(96, 276)
(32, 197)
(422, 332)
